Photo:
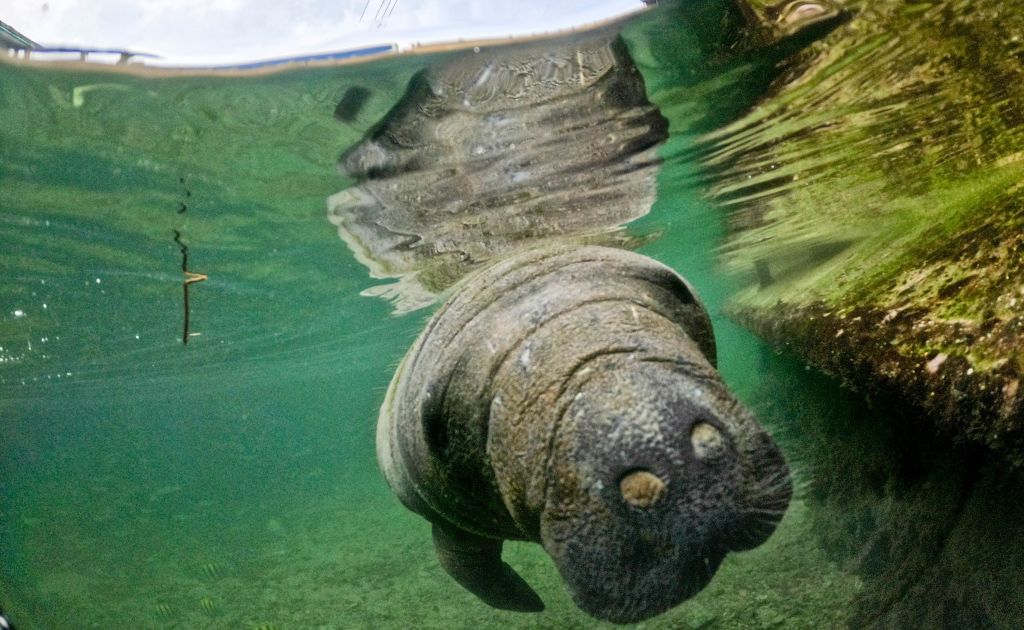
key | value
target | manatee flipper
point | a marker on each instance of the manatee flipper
(475, 563)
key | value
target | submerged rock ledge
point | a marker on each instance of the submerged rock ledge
(876, 213)
(884, 354)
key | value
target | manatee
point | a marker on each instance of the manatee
(569, 396)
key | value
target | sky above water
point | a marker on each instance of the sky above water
(244, 30)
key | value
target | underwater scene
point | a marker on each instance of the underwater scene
(211, 277)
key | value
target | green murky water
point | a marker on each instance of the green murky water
(231, 482)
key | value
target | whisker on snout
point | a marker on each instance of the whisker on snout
(763, 511)
(776, 479)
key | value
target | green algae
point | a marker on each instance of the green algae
(875, 211)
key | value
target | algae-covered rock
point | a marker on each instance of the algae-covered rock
(877, 211)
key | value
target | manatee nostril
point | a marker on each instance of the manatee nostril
(707, 441)
(642, 488)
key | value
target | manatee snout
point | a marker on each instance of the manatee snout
(660, 456)
(570, 397)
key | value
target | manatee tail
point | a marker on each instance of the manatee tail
(475, 563)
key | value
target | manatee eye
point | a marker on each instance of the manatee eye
(641, 488)
(707, 441)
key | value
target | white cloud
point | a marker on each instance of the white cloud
(235, 30)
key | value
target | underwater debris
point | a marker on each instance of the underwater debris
(164, 610)
(79, 92)
(771, 21)
(212, 570)
(190, 278)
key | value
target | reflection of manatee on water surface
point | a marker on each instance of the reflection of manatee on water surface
(568, 396)
(566, 392)
(496, 149)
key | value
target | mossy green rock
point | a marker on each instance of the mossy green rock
(877, 212)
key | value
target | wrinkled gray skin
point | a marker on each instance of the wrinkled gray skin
(568, 396)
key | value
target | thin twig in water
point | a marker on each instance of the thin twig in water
(190, 278)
